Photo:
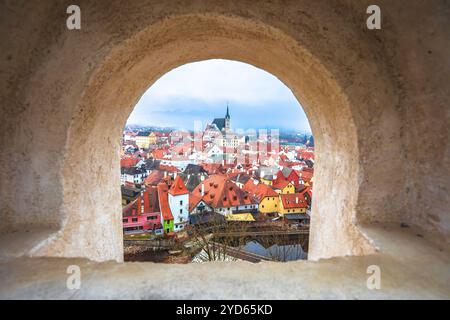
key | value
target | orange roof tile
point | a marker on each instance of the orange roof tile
(178, 187)
(280, 183)
(164, 201)
(293, 201)
(219, 192)
(262, 190)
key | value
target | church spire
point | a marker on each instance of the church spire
(227, 116)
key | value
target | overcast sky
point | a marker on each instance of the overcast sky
(201, 90)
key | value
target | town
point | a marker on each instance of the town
(178, 186)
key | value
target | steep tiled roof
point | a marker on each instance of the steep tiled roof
(164, 201)
(178, 187)
(221, 192)
(128, 162)
(193, 201)
(154, 178)
(280, 183)
(262, 190)
(149, 199)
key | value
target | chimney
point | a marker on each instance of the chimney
(296, 199)
(262, 174)
(165, 174)
(203, 189)
(175, 175)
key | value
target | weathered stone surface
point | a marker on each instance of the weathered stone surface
(377, 102)
(410, 268)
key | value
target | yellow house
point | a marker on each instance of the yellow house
(143, 140)
(283, 186)
(292, 203)
(267, 198)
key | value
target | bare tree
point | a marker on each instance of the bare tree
(216, 240)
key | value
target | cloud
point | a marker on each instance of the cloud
(201, 90)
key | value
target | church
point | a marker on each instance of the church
(223, 124)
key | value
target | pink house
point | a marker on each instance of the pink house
(146, 222)
(143, 214)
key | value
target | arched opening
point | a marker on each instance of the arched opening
(377, 102)
(217, 164)
(120, 78)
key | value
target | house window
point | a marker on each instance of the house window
(263, 206)
(181, 211)
(151, 217)
(124, 220)
(181, 202)
(134, 219)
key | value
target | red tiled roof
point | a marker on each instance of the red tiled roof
(306, 175)
(178, 187)
(222, 193)
(151, 202)
(293, 201)
(158, 154)
(307, 155)
(128, 162)
(249, 186)
(154, 178)
(193, 201)
(164, 167)
(163, 198)
(280, 183)
(262, 190)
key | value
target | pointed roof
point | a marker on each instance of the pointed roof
(178, 187)
(227, 116)
(164, 201)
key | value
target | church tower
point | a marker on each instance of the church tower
(227, 120)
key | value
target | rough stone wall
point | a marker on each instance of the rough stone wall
(374, 99)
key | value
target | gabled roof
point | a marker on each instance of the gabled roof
(219, 192)
(154, 178)
(286, 171)
(128, 162)
(149, 200)
(178, 187)
(280, 184)
(262, 190)
(220, 123)
(164, 201)
(293, 201)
